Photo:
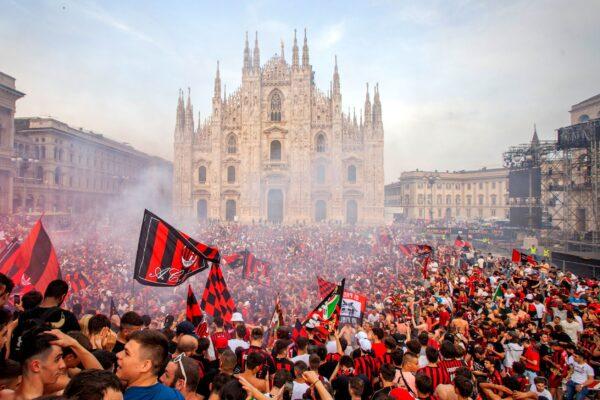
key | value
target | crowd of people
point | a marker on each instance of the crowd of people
(469, 326)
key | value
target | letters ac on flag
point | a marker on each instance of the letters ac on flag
(168, 257)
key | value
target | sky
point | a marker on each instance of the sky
(460, 81)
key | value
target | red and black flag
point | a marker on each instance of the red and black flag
(523, 258)
(325, 287)
(298, 330)
(327, 314)
(36, 264)
(8, 256)
(113, 309)
(235, 260)
(168, 257)
(78, 281)
(192, 310)
(418, 250)
(216, 300)
(257, 270)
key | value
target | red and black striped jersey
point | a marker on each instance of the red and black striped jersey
(387, 359)
(451, 366)
(268, 366)
(284, 364)
(366, 365)
(439, 375)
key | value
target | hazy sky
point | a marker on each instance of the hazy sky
(460, 81)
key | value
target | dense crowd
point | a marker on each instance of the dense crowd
(469, 326)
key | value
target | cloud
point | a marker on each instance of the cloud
(330, 36)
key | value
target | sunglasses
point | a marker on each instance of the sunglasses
(179, 361)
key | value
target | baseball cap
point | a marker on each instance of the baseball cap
(237, 317)
(185, 328)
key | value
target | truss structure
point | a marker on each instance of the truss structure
(570, 182)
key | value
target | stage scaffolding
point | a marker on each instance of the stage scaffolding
(570, 184)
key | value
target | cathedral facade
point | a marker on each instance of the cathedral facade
(278, 149)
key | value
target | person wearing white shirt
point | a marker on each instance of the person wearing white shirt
(538, 387)
(571, 327)
(581, 376)
(512, 350)
(238, 341)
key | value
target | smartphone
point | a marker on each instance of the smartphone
(16, 299)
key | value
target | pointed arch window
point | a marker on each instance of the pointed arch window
(276, 107)
(321, 143)
(231, 144)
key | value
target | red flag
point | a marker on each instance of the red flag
(192, 311)
(235, 260)
(256, 270)
(168, 257)
(523, 258)
(36, 264)
(298, 330)
(327, 313)
(78, 281)
(325, 287)
(216, 300)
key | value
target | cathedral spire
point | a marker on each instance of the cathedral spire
(368, 116)
(189, 114)
(295, 52)
(305, 52)
(180, 118)
(535, 140)
(282, 51)
(336, 78)
(199, 123)
(376, 107)
(217, 94)
(247, 60)
(224, 94)
(256, 58)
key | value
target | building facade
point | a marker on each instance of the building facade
(279, 149)
(585, 110)
(61, 169)
(8, 97)
(463, 195)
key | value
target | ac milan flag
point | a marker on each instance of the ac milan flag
(415, 249)
(235, 260)
(216, 300)
(168, 257)
(35, 264)
(325, 287)
(192, 311)
(522, 258)
(256, 270)
(78, 281)
(327, 314)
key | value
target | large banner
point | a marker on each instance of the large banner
(353, 308)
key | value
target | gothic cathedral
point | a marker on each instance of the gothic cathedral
(278, 149)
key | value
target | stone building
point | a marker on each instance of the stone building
(8, 97)
(279, 149)
(462, 195)
(585, 110)
(61, 169)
